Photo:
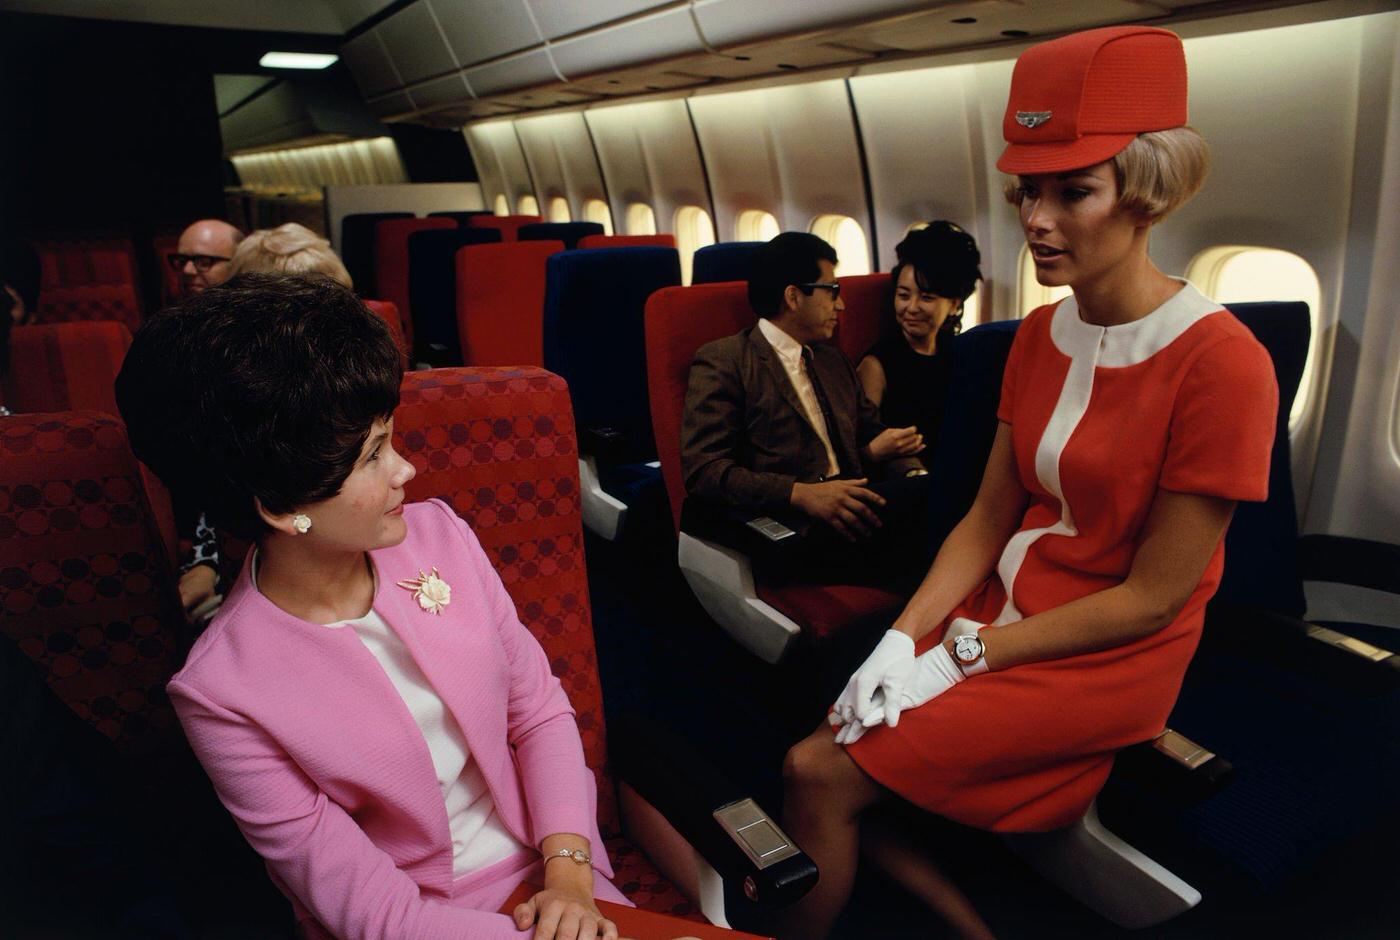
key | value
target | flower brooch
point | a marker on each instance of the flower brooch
(430, 591)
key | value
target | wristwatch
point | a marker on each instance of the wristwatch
(579, 856)
(968, 651)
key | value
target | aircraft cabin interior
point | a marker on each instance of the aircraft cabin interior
(529, 273)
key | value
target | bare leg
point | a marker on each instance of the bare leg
(909, 865)
(824, 794)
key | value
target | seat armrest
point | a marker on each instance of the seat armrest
(608, 444)
(1355, 562)
(1174, 768)
(732, 833)
(1296, 645)
(754, 535)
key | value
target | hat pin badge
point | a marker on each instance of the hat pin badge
(1032, 119)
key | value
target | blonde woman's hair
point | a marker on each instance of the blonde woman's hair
(1157, 173)
(288, 249)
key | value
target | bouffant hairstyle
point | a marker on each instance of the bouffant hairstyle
(946, 262)
(789, 258)
(288, 249)
(265, 387)
(1157, 173)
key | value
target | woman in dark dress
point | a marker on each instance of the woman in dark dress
(906, 373)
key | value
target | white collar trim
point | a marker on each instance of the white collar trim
(783, 344)
(1128, 344)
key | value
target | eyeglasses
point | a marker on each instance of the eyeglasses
(202, 263)
(808, 288)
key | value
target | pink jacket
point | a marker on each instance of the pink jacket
(315, 754)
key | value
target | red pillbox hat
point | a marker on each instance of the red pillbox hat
(1078, 100)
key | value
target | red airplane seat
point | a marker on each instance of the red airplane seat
(117, 302)
(500, 302)
(65, 366)
(163, 246)
(678, 321)
(508, 224)
(498, 446)
(627, 241)
(869, 300)
(86, 584)
(386, 311)
(391, 263)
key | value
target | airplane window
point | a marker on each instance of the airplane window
(915, 226)
(693, 230)
(1030, 293)
(1243, 273)
(640, 219)
(501, 207)
(596, 210)
(559, 210)
(755, 225)
(845, 235)
(528, 205)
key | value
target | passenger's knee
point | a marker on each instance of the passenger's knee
(814, 763)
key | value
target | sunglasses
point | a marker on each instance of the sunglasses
(202, 263)
(808, 288)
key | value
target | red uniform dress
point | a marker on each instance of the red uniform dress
(1183, 399)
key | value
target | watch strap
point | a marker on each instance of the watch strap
(577, 856)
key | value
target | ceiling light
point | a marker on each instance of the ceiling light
(298, 60)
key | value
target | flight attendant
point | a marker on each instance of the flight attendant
(1057, 621)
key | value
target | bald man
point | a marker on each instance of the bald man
(203, 255)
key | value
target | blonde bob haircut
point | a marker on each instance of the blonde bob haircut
(1157, 173)
(288, 249)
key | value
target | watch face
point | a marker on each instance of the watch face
(968, 649)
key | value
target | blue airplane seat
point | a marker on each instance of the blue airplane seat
(1261, 547)
(567, 232)
(1311, 728)
(357, 247)
(726, 261)
(594, 337)
(432, 290)
(460, 217)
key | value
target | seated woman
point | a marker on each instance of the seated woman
(385, 732)
(1056, 623)
(906, 373)
(288, 249)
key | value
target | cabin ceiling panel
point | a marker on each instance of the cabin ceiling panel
(369, 62)
(562, 17)
(728, 22)
(921, 150)
(449, 90)
(525, 70)
(648, 154)
(391, 106)
(560, 154)
(663, 35)
(999, 20)
(789, 150)
(415, 44)
(485, 29)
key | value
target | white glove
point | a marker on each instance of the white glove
(935, 672)
(877, 683)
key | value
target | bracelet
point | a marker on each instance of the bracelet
(579, 856)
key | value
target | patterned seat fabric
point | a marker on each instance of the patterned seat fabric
(65, 304)
(63, 366)
(498, 445)
(89, 279)
(86, 588)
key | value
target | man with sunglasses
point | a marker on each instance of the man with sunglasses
(775, 420)
(203, 255)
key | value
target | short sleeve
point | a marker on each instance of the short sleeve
(1223, 422)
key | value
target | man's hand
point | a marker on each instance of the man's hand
(196, 587)
(895, 442)
(845, 505)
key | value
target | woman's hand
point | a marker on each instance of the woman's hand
(565, 914)
(933, 673)
(196, 587)
(895, 442)
(877, 684)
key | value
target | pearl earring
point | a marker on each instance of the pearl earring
(301, 522)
